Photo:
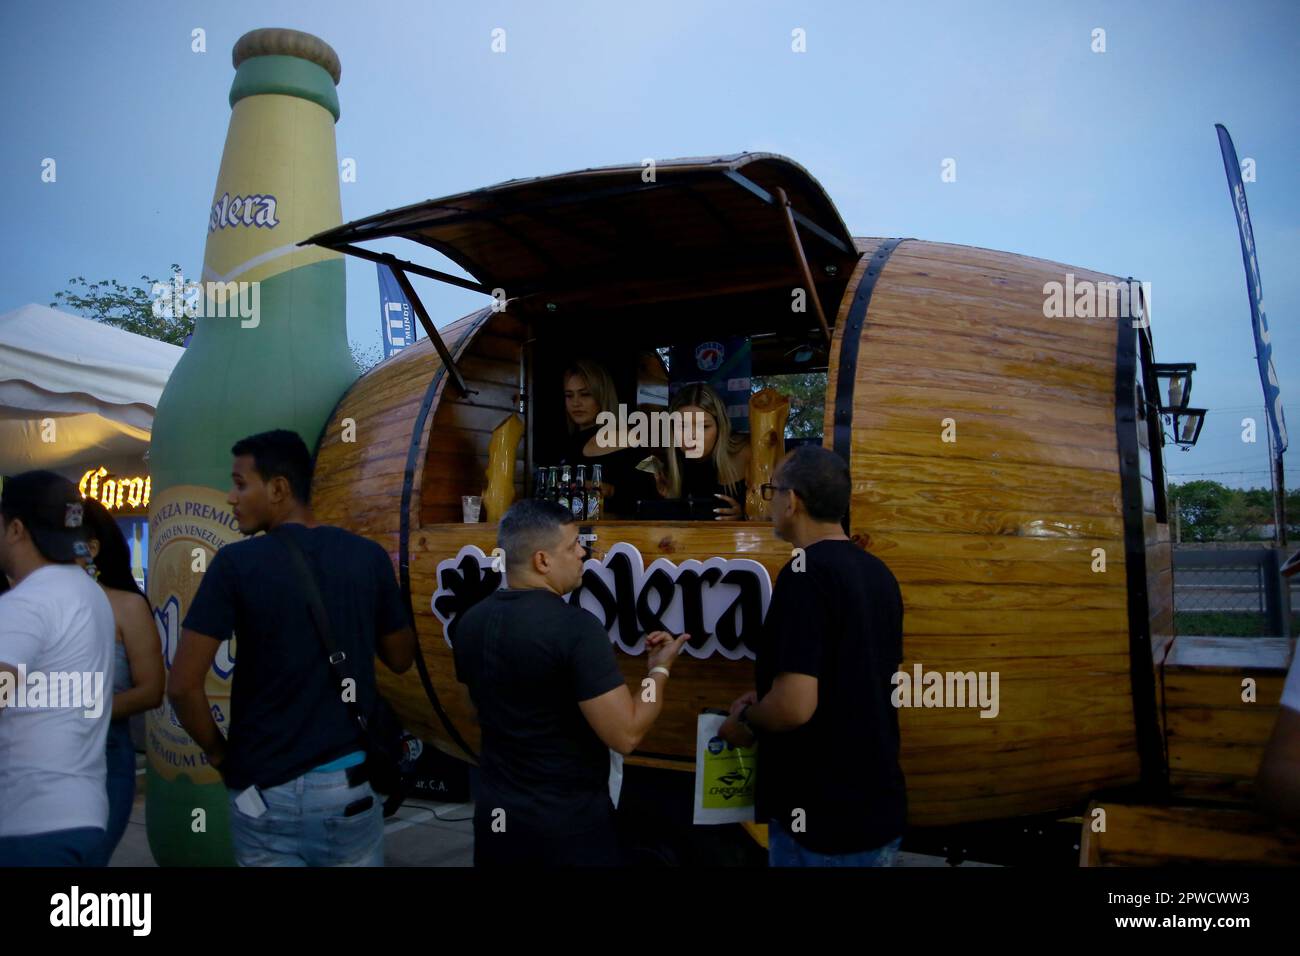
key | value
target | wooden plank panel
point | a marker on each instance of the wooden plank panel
(974, 597)
(1106, 625)
(873, 432)
(977, 764)
(929, 518)
(935, 806)
(1041, 415)
(1161, 836)
(1222, 691)
(877, 378)
(879, 351)
(1047, 479)
(479, 416)
(1043, 353)
(971, 317)
(1222, 725)
(915, 280)
(927, 419)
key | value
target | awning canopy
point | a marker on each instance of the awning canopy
(696, 220)
(99, 385)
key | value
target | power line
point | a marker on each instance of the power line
(1205, 474)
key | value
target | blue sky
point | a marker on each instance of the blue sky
(1102, 160)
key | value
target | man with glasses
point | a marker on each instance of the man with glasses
(830, 785)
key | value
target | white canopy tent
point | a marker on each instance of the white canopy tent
(97, 384)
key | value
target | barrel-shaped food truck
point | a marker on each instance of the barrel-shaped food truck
(1003, 417)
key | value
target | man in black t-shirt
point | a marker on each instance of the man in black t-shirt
(551, 701)
(294, 761)
(829, 782)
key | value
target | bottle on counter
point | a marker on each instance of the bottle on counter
(595, 497)
(565, 488)
(578, 495)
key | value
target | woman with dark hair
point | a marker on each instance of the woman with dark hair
(138, 674)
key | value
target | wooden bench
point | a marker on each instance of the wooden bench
(1215, 739)
(1138, 835)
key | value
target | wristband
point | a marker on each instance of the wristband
(659, 669)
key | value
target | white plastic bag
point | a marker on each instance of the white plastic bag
(724, 775)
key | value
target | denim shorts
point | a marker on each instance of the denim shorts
(305, 824)
(784, 850)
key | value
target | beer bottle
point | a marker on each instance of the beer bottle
(271, 354)
(553, 485)
(565, 489)
(539, 483)
(595, 497)
(579, 496)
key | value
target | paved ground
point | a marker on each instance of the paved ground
(432, 834)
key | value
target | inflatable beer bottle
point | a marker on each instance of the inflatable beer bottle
(274, 354)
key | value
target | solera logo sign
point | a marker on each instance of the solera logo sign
(720, 602)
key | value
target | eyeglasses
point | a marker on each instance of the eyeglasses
(769, 490)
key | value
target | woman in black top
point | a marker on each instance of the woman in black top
(717, 461)
(588, 391)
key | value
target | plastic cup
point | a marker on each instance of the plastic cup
(471, 506)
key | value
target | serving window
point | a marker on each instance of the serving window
(514, 363)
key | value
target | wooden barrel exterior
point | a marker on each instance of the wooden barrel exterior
(991, 536)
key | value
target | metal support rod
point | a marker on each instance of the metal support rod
(447, 362)
(401, 265)
(783, 201)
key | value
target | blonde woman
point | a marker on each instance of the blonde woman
(717, 460)
(588, 391)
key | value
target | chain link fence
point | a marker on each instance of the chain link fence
(1231, 592)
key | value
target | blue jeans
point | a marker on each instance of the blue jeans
(307, 823)
(76, 847)
(121, 788)
(784, 850)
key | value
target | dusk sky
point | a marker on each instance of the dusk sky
(1105, 161)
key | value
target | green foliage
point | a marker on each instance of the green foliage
(366, 356)
(130, 308)
(1210, 511)
(807, 393)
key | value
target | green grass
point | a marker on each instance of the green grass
(1226, 623)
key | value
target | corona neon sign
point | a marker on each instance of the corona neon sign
(114, 493)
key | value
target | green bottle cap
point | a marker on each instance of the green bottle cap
(288, 62)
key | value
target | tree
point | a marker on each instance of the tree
(366, 356)
(130, 308)
(1200, 505)
(1213, 512)
(807, 394)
